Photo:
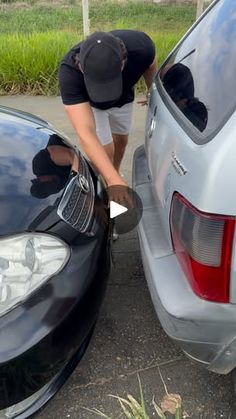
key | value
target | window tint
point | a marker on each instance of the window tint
(200, 76)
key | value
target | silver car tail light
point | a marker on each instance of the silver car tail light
(203, 244)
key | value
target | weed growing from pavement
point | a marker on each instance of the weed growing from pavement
(131, 408)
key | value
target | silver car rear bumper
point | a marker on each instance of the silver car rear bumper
(204, 330)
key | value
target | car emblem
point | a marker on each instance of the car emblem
(83, 183)
(178, 165)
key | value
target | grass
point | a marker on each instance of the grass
(132, 408)
(34, 38)
(104, 15)
(29, 63)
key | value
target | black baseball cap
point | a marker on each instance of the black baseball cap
(101, 60)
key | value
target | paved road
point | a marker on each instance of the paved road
(128, 339)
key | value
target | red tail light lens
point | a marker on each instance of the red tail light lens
(203, 244)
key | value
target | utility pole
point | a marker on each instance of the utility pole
(86, 22)
(200, 7)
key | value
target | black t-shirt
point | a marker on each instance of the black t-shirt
(141, 53)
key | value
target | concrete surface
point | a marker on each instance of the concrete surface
(128, 339)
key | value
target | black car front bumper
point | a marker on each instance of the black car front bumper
(46, 335)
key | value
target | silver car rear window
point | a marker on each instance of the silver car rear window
(199, 77)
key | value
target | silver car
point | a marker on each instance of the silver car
(185, 175)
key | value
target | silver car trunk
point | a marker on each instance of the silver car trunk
(203, 174)
(191, 122)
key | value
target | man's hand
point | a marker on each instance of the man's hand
(144, 100)
(119, 192)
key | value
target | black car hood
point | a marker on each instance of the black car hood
(24, 162)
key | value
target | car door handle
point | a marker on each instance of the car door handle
(152, 127)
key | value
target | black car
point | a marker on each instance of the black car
(54, 260)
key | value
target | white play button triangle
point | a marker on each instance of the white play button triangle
(116, 209)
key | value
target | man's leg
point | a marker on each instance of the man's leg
(103, 131)
(105, 136)
(120, 122)
(120, 143)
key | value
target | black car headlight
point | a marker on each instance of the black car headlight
(26, 262)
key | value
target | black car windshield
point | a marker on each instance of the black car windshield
(200, 75)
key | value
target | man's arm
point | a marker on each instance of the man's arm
(150, 73)
(148, 77)
(82, 118)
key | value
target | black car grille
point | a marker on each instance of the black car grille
(77, 203)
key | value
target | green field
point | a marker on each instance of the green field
(35, 36)
(104, 15)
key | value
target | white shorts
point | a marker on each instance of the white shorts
(113, 121)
